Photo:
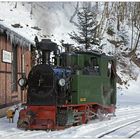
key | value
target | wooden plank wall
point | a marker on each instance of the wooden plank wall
(7, 97)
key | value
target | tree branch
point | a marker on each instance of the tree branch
(72, 17)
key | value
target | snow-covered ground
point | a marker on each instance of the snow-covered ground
(130, 95)
(94, 129)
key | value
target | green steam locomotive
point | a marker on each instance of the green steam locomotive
(67, 89)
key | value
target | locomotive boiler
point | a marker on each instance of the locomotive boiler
(67, 88)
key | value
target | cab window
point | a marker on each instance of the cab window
(91, 67)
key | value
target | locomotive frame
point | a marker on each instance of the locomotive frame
(72, 89)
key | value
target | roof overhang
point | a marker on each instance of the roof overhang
(15, 38)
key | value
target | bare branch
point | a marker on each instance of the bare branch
(74, 14)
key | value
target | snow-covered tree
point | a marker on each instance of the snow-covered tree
(87, 27)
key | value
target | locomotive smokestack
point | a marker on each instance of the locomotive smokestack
(46, 46)
(68, 47)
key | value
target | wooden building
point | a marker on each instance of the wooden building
(15, 62)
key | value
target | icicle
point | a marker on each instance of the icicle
(15, 38)
(12, 38)
(1, 30)
(20, 42)
(7, 35)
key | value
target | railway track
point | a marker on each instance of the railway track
(93, 131)
(134, 133)
(129, 135)
(123, 117)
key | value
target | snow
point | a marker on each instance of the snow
(9, 15)
(94, 129)
(131, 95)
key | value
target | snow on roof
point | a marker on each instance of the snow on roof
(14, 37)
(16, 20)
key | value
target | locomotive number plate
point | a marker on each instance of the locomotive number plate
(83, 99)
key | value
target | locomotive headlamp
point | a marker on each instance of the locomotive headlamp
(62, 82)
(22, 82)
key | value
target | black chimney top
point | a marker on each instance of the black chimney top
(47, 45)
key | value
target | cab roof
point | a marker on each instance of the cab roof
(95, 53)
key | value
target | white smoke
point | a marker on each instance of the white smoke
(53, 18)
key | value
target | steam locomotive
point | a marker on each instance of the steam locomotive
(68, 88)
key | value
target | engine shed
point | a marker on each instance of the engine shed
(15, 62)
